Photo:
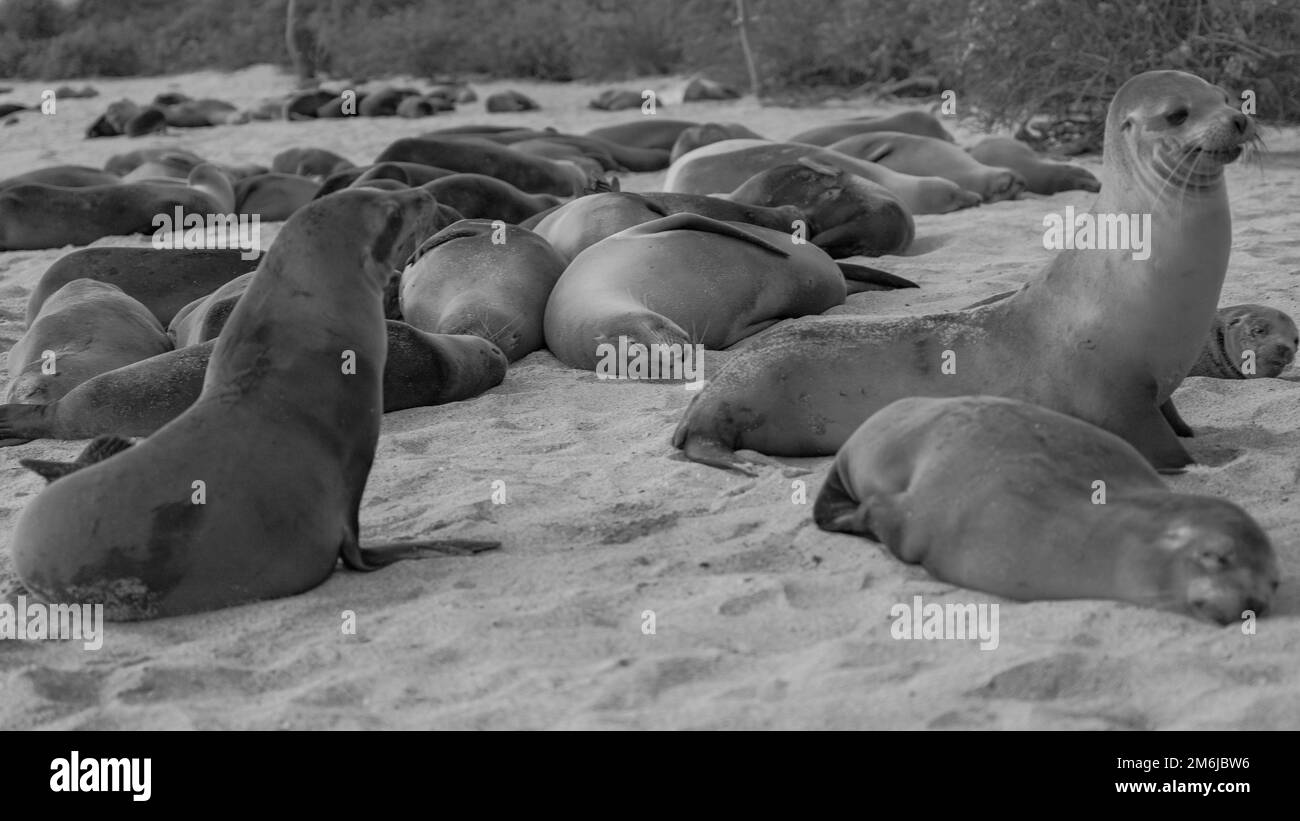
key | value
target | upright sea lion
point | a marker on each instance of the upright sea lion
(254, 491)
(164, 281)
(708, 134)
(85, 328)
(910, 154)
(1001, 496)
(914, 121)
(421, 370)
(724, 166)
(581, 223)
(476, 278)
(1097, 334)
(1042, 176)
(535, 175)
(685, 280)
(846, 214)
(644, 132)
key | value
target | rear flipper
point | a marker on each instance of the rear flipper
(97, 451)
(873, 518)
(20, 424)
(1175, 421)
(871, 279)
(380, 555)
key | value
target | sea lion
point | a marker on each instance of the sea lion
(1002, 496)
(67, 176)
(1096, 334)
(180, 159)
(164, 281)
(913, 121)
(581, 223)
(35, 216)
(724, 166)
(385, 101)
(536, 175)
(416, 107)
(477, 196)
(611, 155)
(203, 318)
(305, 104)
(614, 99)
(476, 278)
(702, 88)
(655, 132)
(421, 370)
(910, 154)
(274, 197)
(413, 173)
(1240, 334)
(846, 214)
(85, 328)
(254, 491)
(509, 101)
(708, 134)
(682, 280)
(1042, 176)
(309, 162)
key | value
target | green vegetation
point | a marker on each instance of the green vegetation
(1008, 58)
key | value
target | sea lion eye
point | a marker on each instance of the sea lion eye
(1178, 117)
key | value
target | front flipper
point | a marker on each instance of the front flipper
(1175, 421)
(380, 555)
(872, 279)
(1153, 436)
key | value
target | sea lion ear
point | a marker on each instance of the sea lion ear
(50, 470)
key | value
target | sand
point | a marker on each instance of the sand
(761, 619)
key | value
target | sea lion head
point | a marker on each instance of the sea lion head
(1215, 562)
(1173, 131)
(1268, 332)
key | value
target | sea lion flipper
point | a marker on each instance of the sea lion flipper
(50, 470)
(990, 300)
(97, 451)
(1175, 421)
(715, 454)
(876, 279)
(375, 556)
(1155, 438)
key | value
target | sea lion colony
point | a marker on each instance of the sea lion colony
(415, 279)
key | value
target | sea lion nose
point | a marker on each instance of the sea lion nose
(1241, 121)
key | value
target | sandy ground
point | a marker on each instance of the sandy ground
(762, 620)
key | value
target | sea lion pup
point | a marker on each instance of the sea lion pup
(1042, 176)
(1096, 334)
(910, 154)
(914, 121)
(34, 216)
(708, 134)
(67, 176)
(164, 281)
(581, 223)
(846, 214)
(536, 175)
(644, 132)
(422, 370)
(477, 196)
(85, 328)
(414, 174)
(477, 277)
(685, 280)
(254, 491)
(274, 197)
(309, 162)
(1245, 342)
(1001, 496)
(724, 166)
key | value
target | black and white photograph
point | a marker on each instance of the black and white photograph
(650, 365)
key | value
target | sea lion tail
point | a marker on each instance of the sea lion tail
(873, 279)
